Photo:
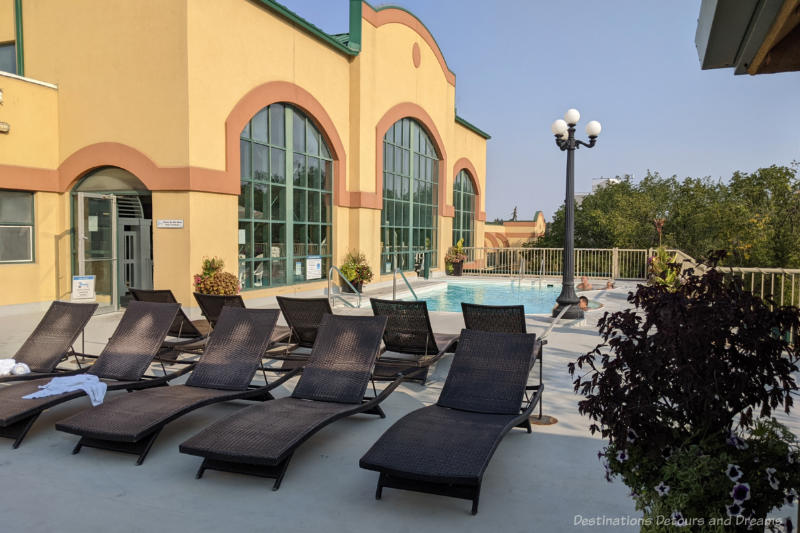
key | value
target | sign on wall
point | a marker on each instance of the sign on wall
(313, 267)
(169, 223)
(83, 288)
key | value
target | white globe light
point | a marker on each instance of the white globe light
(559, 127)
(572, 116)
(593, 128)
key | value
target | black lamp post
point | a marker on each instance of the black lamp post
(564, 131)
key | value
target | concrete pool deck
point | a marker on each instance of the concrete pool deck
(539, 482)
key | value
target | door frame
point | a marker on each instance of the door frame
(81, 238)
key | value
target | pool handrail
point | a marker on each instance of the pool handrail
(394, 284)
(332, 297)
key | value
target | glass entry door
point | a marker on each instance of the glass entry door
(97, 245)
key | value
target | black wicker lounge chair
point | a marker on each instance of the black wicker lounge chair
(409, 339)
(260, 440)
(304, 316)
(121, 365)
(445, 448)
(185, 335)
(211, 306)
(503, 319)
(495, 318)
(131, 423)
(52, 340)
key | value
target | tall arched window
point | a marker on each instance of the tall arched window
(410, 200)
(464, 204)
(284, 224)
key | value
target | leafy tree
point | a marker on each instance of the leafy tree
(756, 216)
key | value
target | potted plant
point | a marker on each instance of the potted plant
(454, 260)
(356, 270)
(683, 389)
(212, 279)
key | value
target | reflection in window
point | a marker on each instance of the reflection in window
(8, 58)
(285, 198)
(410, 196)
(464, 204)
(16, 226)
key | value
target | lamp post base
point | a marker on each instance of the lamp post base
(573, 312)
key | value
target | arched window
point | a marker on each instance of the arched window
(284, 224)
(410, 200)
(464, 204)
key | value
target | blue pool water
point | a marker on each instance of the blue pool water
(536, 299)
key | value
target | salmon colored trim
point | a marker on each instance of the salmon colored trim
(466, 164)
(28, 178)
(529, 234)
(155, 178)
(491, 239)
(522, 223)
(284, 91)
(119, 155)
(502, 238)
(391, 15)
(411, 110)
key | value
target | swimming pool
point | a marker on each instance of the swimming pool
(536, 299)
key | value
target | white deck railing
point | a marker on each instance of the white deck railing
(780, 284)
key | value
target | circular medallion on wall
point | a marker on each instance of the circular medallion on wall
(415, 55)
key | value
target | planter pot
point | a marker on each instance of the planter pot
(458, 268)
(357, 284)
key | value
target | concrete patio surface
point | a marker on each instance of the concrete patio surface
(541, 482)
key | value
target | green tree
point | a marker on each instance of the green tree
(756, 216)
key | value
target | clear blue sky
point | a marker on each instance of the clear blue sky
(632, 65)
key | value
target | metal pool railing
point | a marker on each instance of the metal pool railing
(606, 263)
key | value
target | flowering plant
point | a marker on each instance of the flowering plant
(212, 280)
(683, 388)
(356, 269)
(455, 254)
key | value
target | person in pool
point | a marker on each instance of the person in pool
(584, 285)
(583, 303)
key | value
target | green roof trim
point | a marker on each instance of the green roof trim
(309, 28)
(473, 127)
(536, 215)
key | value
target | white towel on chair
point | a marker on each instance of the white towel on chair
(6, 366)
(88, 383)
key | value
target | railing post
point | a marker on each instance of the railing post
(614, 263)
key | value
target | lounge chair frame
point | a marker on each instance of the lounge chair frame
(241, 354)
(18, 425)
(467, 488)
(463, 491)
(324, 387)
(504, 319)
(369, 406)
(428, 352)
(70, 350)
(189, 338)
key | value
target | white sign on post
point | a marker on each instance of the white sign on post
(314, 267)
(169, 223)
(83, 288)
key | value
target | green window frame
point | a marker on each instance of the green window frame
(17, 220)
(285, 200)
(464, 207)
(409, 219)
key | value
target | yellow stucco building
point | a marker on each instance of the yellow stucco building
(137, 138)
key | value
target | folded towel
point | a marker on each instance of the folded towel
(20, 369)
(88, 383)
(6, 365)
